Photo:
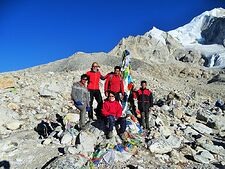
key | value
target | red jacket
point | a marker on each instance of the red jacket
(114, 83)
(94, 78)
(145, 99)
(112, 108)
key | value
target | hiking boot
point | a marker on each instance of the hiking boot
(110, 134)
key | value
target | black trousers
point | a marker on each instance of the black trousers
(145, 119)
(95, 94)
(111, 122)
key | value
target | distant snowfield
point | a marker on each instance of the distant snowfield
(190, 37)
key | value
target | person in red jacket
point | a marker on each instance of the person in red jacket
(143, 99)
(94, 77)
(112, 111)
(114, 83)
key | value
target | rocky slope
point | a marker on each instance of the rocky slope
(187, 129)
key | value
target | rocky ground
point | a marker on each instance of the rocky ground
(187, 130)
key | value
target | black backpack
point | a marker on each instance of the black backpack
(43, 129)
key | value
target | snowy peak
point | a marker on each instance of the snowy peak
(217, 12)
(191, 32)
(157, 34)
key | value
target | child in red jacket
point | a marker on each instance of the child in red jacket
(112, 111)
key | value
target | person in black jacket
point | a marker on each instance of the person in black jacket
(143, 101)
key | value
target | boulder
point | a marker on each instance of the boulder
(67, 139)
(40, 116)
(165, 131)
(220, 123)
(71, 118)
(174, 141)
(6, 82)
(73, 150)
(204, 157)
(68, 161)
(87, 141)
(166, 108)
(7, 115)
(8, 146)
(202, 115)
(202, 128)
(160, 146)
(49, 90)
(14, 125)
(47, 141)
(207, 144)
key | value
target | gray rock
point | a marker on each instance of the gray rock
(87, 141)
(160, 146)
(202, 128)
(204, 157)
(49, 89)
(67, 139)
(217, 78)
(202, 115)
(174, 141)
(166, 108)
(190, 131)
(8, 146)
(207, 144)
(14, 125)
(166, 131)
(220, 122)
(7, 115)
(214, 149)
(73, 150)
(68, 162)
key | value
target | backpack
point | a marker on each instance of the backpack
(43, 129)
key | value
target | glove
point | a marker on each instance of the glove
(138, 113)
(78, 103)
(88, 109)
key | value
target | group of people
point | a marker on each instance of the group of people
(87, 89)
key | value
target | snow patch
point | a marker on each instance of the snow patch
(157, 34)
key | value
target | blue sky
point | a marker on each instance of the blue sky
(34, 32)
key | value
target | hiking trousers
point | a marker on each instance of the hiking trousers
(82, 119)
(145, 119)
(98, 97)
(111, 122)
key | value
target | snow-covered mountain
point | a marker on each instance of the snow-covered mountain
(191, 33)
(205, 33)
(204, 36)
